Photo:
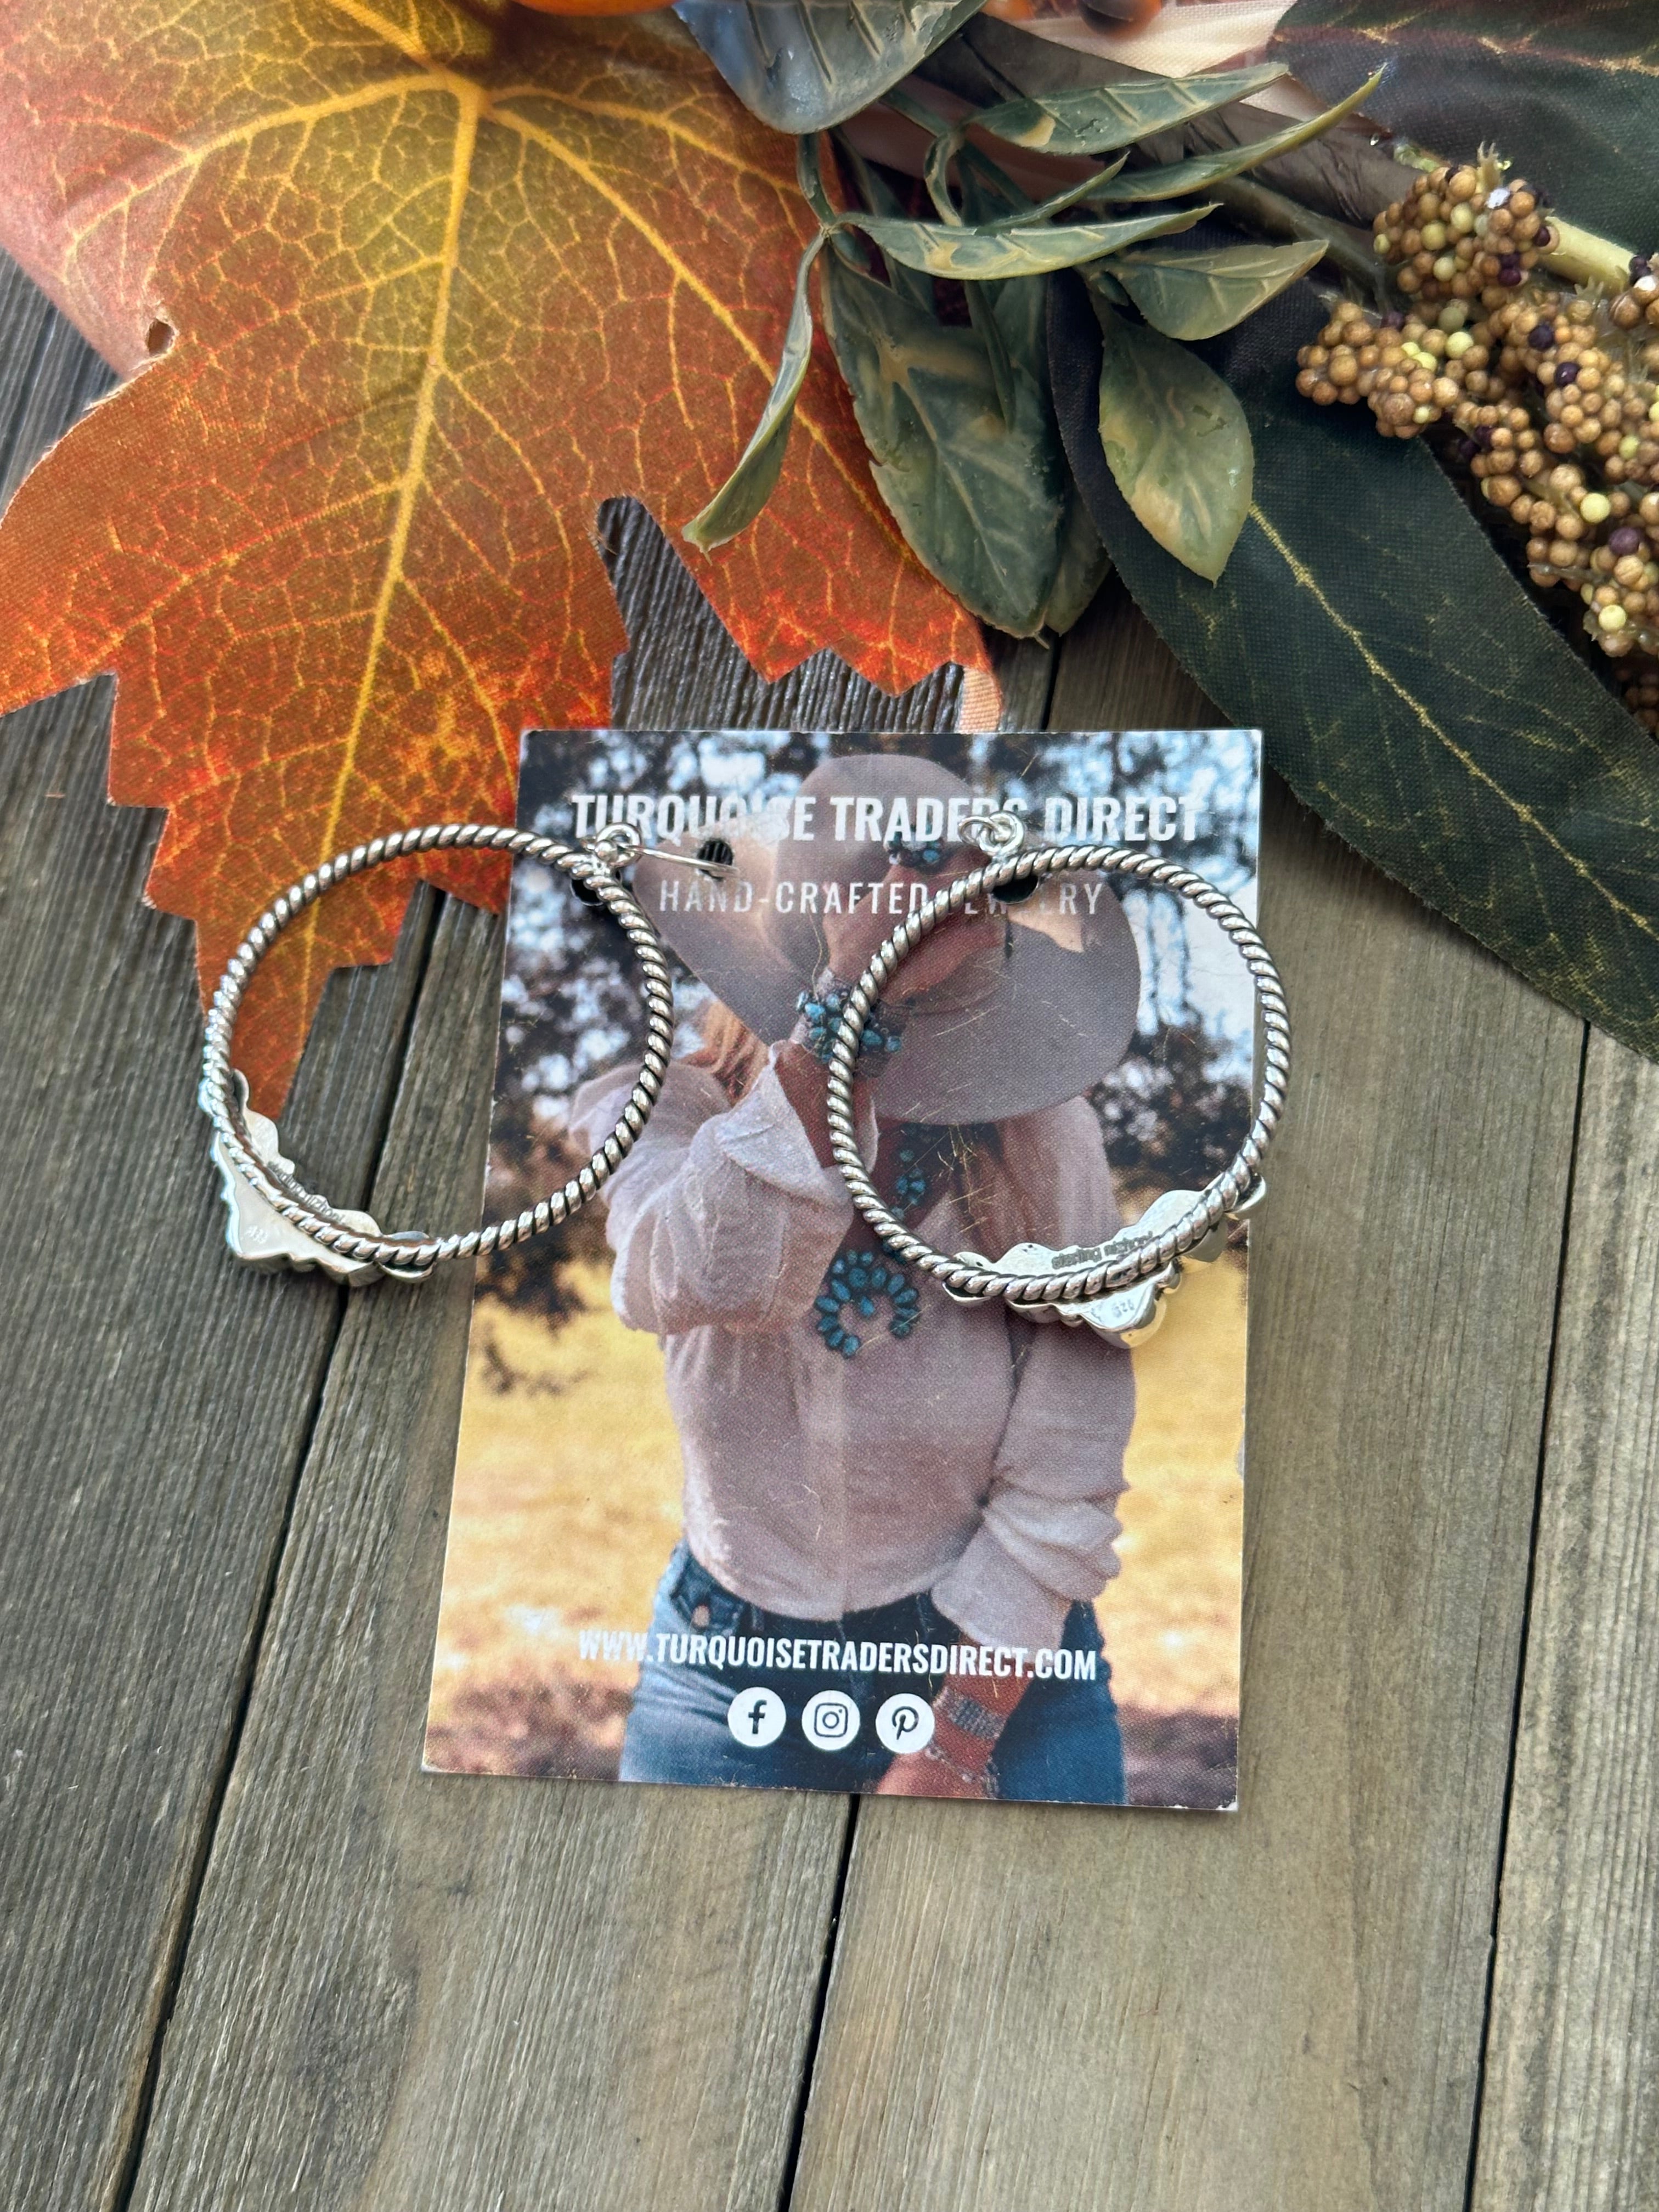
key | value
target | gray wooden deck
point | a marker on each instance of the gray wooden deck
(251, 1958)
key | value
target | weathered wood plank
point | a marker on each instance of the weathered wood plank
(159, 1405)
(1033, 2008)
(48, 375)
(410, 1991)
(1570, 2120)
(406, 1991)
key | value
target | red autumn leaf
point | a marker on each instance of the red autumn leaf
(442, 278)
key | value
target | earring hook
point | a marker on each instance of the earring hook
(621, 846)
(999, 835)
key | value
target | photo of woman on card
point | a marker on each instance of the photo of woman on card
(876, 1478)
(742, 1498)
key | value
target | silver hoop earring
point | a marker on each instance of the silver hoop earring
(274, 1221)
(1117, 1287)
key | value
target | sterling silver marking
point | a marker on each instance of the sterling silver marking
(1128, 1317)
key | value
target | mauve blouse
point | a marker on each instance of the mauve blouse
(980, 1458)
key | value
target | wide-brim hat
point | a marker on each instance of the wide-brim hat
(1018, 1027)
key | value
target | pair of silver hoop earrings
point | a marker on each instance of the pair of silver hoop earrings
(1116, 1288)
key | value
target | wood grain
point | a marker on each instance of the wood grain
(159, 1403)
(407, 1991)
(1570, 2117)
(49, 375)
(1282, 2009)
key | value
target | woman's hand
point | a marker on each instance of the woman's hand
(957, 1762)
(852, 940)
(914, 1774)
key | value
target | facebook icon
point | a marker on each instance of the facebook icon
(755, 1718)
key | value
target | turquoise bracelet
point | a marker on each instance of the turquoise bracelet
(821, 1012)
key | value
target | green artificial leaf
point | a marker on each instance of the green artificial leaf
(1569, 93)
(979, 254)
(947, 147)
(1012, 319)
(1084, 564)
(808, 175)
(1409, 689)
(1012, 340)
(1108, 117)
(1009, 316)
(1176, 440)
(876, 194)
(805, 64)
(1200, 171)
(1197, 294)
(1018, 250)
(979, 497)
(751, 484)
(1115, 185)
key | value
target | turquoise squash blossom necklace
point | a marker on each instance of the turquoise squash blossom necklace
(855, 1280)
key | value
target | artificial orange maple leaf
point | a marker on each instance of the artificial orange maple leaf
(442, 278)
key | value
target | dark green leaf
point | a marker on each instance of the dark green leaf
(1107, 117)
(1569, 93)
(1343, 176)
(979, 497)
(1409, 689)
(1009, 317)
(1009, 339)
(1176, 440)
(1084, 565)
(875, 193)
(947, 146)
(1012, 319)
(1083, 193)
(804, 64)
(1022, 250)
(1197, 294)
(1200, 171)
(751, 484)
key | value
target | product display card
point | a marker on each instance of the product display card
(744, 1498)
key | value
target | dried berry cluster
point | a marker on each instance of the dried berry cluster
(1462, 233)
(1411, 372)
(1556, 397)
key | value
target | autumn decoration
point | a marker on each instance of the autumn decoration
(907, 321)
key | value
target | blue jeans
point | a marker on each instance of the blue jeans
(1062, 1742)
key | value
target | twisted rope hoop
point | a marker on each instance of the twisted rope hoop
(594, 867)
(1128, 1260)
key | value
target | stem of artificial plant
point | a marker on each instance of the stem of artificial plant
(1257, 207)
(1584, 258)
